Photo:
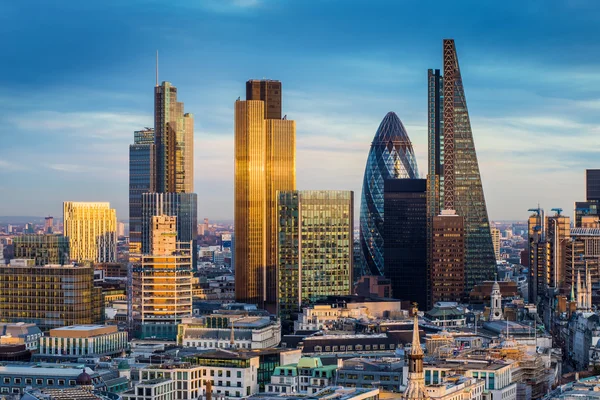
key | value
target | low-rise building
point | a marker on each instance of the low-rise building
(446, 313)
(332, 392)
(458, 388)
(153, 389)
(386, 374)
(20, 333)
(82, 341)
(216, 330)
(307, 376)
(69, 394)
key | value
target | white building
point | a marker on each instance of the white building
(155, 389)
(215, 331)
(457, 388)
(82, 341)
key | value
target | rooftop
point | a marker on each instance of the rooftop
(79, 331)
(329, 393)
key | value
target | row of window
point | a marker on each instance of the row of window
(38, 381)
(358, 347)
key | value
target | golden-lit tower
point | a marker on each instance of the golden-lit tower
(92, 231)
(265, 162)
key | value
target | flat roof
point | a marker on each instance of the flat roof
(79, 331)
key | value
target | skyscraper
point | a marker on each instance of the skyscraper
(174, 132)
(315, 249)
(391, 157)
(92, 231)
(161, 293)
(48, 224)
(142, 179)
(592, 184)
(454, 182)
(268, 91)
(448, 258)
(265, 162)
(405, 233)
(496, 241)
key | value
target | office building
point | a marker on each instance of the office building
(558, 233)
(48, 224)
(142, 179)
(448, 258)
(43, 249)
(592, 184)
(49, 296)
(161, 294)
(174, 139)
(391, 157)
(268, 91)
(184, 206)
(92, 231)
(454, 181)
(536, 249)
(315, 248)
(265, 162)
(405, 238)
(70, 343)
(582, 253)
(496, 241)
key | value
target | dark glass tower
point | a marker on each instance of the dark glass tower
(454, 182)
(142, 179)
(391, 157)
(405, 233)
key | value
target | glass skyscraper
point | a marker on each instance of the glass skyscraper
(315, 249)
(142, 179)
(92, 231)
(391, 156)
(454, 181)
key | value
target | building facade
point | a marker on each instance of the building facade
(391, 157)
(592, 184)
(454, 181)
(174, 139)
(43, 249)
(315, 229)
(405, 238)
(448, 258)
(496, 241)
(92, 231)
(142, 179)
(51, 296)
(82, 341)
(265, 162)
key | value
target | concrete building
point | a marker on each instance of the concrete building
(386, 374)
(458, 388)
(448, 258)
(82, 341)
(43, 249)
(49, 296)
(307, 376)
(161, 294)
(92, 231)
(20, 333)
(152, 389)
(229, 331)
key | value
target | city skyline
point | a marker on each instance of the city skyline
(73, 121)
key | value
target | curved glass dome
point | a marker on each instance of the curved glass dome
(391, 156)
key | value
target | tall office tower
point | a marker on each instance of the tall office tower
(161, 294)
(405, 238)
(43, 249)
(448, 257)
(142, 179)
(496, 241)
(537, 249)
(48, 225)
(184, 206)
(592, 184)
(391, 157)
(29, 229)
(174, 133)
(92, 231)
(268, 91)
(265, 162)
(582, 253)
(454, 182)
(315, 249)
(558, 233)
(49, 296)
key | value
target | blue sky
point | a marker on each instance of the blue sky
(77, 79)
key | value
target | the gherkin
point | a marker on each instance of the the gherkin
(391, 156)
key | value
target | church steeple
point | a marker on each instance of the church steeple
(415, 388)
(496, 303)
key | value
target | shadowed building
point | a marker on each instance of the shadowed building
(43, 249)
(142, 179)
(448, 258)
(405, 238)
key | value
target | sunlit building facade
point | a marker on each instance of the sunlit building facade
(142, 179)
(265, 162)
(454, 181)
(49, 296)
(315, 249)
(161, 294)
(174, 138)
(92, 231)
(391, 157)
(43, 249)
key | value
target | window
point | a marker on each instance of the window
(50, 381)
(72, 382)
(17, 380)
(368, 347)
(239, 374)
(39, 381)
(228, 374)
(28, 381)
(359, 347)
(327, 348)
(6, 380)
(61, 382)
